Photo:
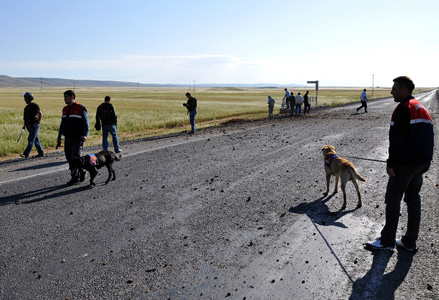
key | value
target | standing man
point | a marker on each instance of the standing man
(299, 102)
(364, 99)
(306, 102)
(107, 115)
(32, 118)
(74, 126)
(270, 102)
(411, 141)
(191, 106)
(286, 97)
(292, 103)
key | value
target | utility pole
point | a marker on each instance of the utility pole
(41, 83)
(373, 79)
(194, 86)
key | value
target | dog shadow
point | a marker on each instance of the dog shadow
(319, 212)
(41, 194)
(377, 285)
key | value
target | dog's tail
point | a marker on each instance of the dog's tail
(118, 157)
(355, 174)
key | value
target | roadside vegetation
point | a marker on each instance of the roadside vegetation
(145, 112)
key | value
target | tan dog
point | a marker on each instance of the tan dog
(343, 169)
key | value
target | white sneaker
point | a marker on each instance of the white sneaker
(377, 245)
(399, 243)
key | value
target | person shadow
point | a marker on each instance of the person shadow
(41, 194)
(377, 285)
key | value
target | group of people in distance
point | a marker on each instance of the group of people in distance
(289, 101)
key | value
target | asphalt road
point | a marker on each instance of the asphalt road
(235, 212)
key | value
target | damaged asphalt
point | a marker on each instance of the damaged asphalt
(233, 212)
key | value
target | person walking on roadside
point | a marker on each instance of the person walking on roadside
(270, 103)
(307, 106)
(299, 102)
(32, 119)
(191, 106)
(364, 99)
(411, 142)
(287, 98)
(74, 127)
(106, 115)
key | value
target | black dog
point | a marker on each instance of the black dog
(93, 162)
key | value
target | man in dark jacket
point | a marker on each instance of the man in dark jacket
(411, 145)
(74, 127)
(107, 115)
(32, 118)
(191, 106)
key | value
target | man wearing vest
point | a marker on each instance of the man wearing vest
(74, 126)
(411, 141)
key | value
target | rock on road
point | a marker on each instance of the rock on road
(233, 212)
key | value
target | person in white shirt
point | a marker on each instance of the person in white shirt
(299, 102)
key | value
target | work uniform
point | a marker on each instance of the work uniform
(74, 125)
(411, 145)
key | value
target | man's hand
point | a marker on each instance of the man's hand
(83, 138)
(58, 143)
(390, 172)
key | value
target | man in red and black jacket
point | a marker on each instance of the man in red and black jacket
(411, 145)
(74, 126)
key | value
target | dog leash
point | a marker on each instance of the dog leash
(362, 158)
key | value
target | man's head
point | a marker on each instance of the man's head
(285, 89)
(364, 90)
(402, 88)
(69, 97)
(188, 95)
(28, 97)
(107, 99)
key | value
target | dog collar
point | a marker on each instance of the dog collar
(329, 158)
(93, 160)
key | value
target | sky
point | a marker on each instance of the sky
(337, 42)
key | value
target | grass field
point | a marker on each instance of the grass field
(144, 112)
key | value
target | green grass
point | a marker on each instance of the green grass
(147, 112)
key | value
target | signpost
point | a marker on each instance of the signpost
(317, 88)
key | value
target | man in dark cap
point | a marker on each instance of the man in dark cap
(32, 118)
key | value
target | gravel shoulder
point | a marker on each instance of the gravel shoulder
(232, 212)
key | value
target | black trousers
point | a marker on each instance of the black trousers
(363, 104)
(406, 183)
(72, 149)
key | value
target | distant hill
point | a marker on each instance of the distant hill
(7, 81)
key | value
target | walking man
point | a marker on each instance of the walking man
(307, 106)
(411, 141)
(364, 99)
(74, 127)
(106, 115)
(32, 118)
(191, 106)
